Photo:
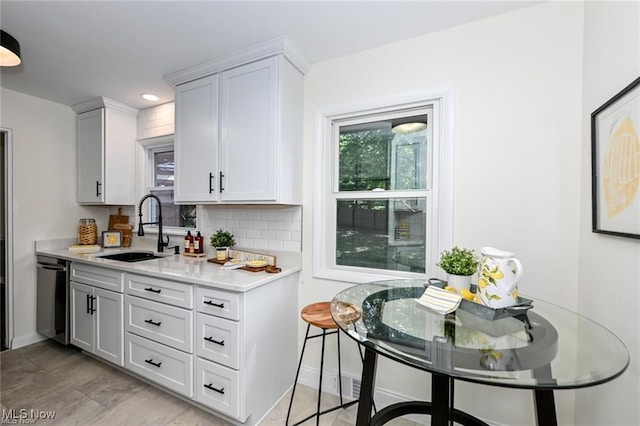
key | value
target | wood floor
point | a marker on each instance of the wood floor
(80, 390)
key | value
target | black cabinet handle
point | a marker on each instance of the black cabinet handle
(88, 308)
(221, 187)
(212, 340)
(93, 309)
(153, 323)
(98, 185)
(217, 305)
(153, 290)
(210, 182)
(155, 364)
(210, 386)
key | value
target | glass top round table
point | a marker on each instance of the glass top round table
(543, 348)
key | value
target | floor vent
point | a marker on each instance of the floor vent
(355, 388)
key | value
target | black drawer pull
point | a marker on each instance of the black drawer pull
(153, 290)
(153, 323)
(212, 340)
(217, 305)
(210, 183)
(210, 386)
(155, 364)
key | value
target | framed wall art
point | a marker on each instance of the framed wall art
(615, 164)
(111, 239)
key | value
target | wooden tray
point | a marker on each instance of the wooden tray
(195, 254)
(268, 268)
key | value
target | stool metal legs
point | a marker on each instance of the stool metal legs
(318, 413)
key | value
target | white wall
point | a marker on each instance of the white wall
(609, 272)
(44, 192)
(517, 80)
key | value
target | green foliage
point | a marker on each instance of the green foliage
(365, 160)
(222, 239)
(459, 261)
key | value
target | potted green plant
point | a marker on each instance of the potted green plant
(460, 264)
(222, 240)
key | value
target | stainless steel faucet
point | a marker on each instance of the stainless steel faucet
(161, 243)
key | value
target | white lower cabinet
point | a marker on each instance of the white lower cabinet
(218, 387)
(164, 324)
(218, 339)
(164, 365)
(231, 353)
(96, 321)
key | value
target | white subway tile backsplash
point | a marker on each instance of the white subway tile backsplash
(156, 121)
(274, 225)
(291, 246)
(260, 227)
(260, 224)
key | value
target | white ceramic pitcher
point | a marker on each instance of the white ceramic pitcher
(498, 279)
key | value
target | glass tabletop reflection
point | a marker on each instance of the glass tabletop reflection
(546, 347)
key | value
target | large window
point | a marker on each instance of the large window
(380, 202)
(161, 166)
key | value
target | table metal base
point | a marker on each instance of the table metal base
(441, 408)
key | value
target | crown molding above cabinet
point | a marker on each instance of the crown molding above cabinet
(279, 46)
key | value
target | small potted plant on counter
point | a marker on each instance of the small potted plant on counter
(222, 240)
(460, 264)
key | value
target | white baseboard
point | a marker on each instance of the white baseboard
(30, 339)
(382, 397)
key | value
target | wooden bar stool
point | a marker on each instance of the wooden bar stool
(319, 315)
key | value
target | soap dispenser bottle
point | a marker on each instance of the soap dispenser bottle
(197, 243)
(188, 242)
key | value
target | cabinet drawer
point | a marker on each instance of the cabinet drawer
(220, 303)
(163, 365)
(162, 323)
(173, 293)
(218, 339)
(218, 387)
(96, 276)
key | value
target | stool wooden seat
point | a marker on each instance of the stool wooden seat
(319, 315)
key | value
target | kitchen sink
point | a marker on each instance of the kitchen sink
(132, 256)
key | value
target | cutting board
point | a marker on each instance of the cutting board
(117, 218)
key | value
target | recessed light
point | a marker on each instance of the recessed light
(150, 97)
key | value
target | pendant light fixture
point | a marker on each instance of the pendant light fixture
(406, 125)
(9, 50)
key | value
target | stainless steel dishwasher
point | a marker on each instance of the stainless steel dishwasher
(53, 299)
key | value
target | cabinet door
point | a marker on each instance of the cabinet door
(90, 156)
(109, 339)
(81, 316)
(248, 133)
(196, 141)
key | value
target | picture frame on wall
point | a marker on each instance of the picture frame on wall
(615, 164)
(111, 239)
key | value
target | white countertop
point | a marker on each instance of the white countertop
(179, 267)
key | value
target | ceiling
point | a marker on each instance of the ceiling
(74, 51)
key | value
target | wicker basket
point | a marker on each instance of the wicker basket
(87, 232)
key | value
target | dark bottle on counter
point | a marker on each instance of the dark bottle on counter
(197, 243)
(188, 242)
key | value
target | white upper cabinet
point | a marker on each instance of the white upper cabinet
(196, 141)
(249, 132)
(106, 152)
(239, 132)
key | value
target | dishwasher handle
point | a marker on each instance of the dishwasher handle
(49, 267)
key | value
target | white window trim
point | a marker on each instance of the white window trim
(148, 145)
(441, 222)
